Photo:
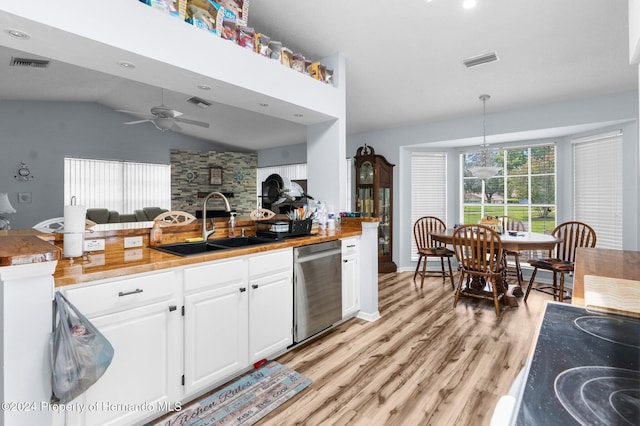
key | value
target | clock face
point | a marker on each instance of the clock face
(239, 177)
(366, 173)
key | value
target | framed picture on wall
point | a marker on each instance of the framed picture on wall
(215, 176)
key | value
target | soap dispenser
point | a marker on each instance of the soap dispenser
(232, 224)
(155, 236)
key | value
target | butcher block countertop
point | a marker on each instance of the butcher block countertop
(24, 249)
(29, 246)
(620, 264)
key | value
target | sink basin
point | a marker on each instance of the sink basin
(240, 241)
(190, 249)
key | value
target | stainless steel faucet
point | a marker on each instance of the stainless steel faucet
(227, 208)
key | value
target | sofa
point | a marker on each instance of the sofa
(148, 213)
(100, 215)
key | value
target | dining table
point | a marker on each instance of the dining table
(520, 241)
(510, 240)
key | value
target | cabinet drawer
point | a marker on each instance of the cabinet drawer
(271, 262)
(214, 274)
(350, 246)
(123, 294)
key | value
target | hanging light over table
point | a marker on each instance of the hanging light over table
(484, 170)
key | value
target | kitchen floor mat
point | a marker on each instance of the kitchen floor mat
(242, 402)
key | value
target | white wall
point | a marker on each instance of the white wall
(42, 133)
(578, 117)
(283, 155)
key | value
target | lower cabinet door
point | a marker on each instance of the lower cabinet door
(144, 376)
(350, 285)
(215, 335)
(270, 315)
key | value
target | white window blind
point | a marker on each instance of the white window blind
(291, 171)
(117, 185)
(597, 192)
(428, 189)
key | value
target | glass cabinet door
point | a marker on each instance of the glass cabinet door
(384, 237)
(365, 201)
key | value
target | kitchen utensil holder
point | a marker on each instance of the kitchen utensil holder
(300, 227)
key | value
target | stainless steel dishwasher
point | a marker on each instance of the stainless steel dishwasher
(317, 291)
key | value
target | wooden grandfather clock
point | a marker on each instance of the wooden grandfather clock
(374, 198)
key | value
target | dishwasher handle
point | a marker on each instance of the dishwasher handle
(317, 255)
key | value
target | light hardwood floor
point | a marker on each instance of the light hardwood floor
(422, 363)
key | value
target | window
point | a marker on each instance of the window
(428, 189)
(525, 188)
(597, 186)
(117, 185)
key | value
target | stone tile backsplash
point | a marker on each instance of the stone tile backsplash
(190, 176)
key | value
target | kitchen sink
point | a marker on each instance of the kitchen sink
(190, 249)
(240, 241)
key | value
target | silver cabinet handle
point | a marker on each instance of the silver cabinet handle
(136, 291)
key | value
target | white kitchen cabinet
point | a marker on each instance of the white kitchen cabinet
(141, 319)
(270, 304)
(350, 276)
(215, 322)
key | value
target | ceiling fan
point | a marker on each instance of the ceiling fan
(164, 118)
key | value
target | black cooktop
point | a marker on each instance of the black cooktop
(584, 371)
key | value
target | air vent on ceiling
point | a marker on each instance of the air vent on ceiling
(480, 59)
(25, 62)
(199, 102)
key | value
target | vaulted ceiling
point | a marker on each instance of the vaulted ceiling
(404, 63)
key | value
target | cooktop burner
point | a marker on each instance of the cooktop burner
(613, 329)
(585, 370)
(600, 395)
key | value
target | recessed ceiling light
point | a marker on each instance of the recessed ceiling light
(298, 115)
(125, 64)
(204, 87)
(17, 34)
(469, 4)
(262, 104)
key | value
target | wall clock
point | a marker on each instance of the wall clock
(239, 178)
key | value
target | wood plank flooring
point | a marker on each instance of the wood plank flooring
(422, 363)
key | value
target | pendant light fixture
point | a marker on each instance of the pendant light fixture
(484, 170)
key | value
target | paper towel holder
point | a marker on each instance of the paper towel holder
(73, 241)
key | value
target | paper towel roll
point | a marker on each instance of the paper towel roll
(74, 217)
(73, 244)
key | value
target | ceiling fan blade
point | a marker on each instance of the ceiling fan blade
(175, 128)
(193, 122)
(138, 121)
(132, 112)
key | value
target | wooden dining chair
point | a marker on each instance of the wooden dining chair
(512, 224)
(478, 250)
(430, 248)
(561, 259)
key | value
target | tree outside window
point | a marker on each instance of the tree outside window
(525, 187)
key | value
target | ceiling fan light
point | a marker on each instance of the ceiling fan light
(162, 123)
